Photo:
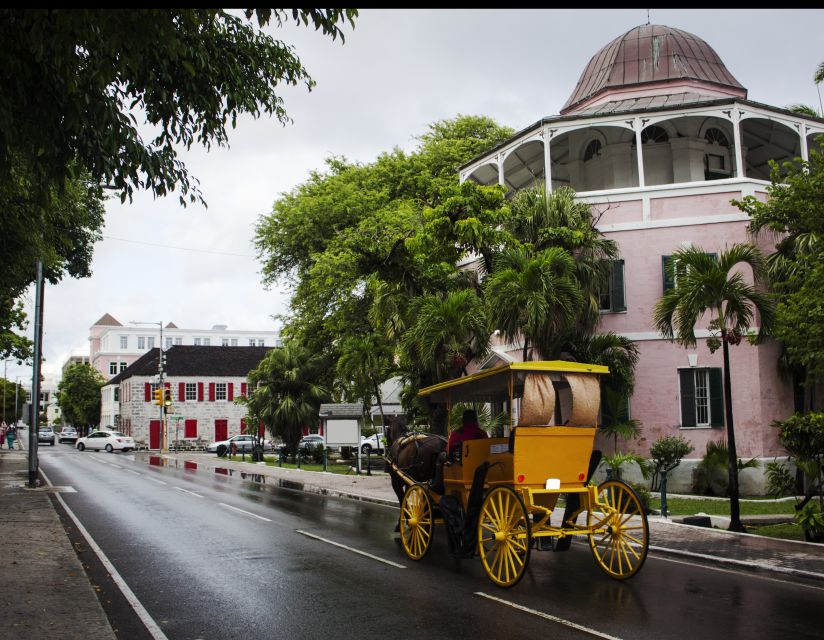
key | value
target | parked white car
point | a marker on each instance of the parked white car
(372, 444)
(244, 443)
(106, 440)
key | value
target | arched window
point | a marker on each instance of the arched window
(593, 149)
(716, 136)
(654, 134)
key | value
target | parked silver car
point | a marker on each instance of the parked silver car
(68, 434)
(45, 435)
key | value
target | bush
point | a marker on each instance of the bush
(644, 495)
(711, 476)
(666, 454)
(314, 453)
(780, 481)
(811, 521)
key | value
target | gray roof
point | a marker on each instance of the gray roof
(341, 410)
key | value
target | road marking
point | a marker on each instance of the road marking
(155, 480)
(547, 616)
(137, 473)
(191, 493)
(116, 466)
(139, 609)
(352, 549)
(248, 513)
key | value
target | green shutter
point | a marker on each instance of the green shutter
(669, 281)
(687, 380)
(616, 286)
(716, 397)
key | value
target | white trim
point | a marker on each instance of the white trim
(677, 222)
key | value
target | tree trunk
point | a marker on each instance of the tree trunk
(735, 512)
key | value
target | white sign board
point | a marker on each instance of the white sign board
(342, 432)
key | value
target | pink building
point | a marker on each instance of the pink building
(658, 136)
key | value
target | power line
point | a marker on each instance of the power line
(168, 246)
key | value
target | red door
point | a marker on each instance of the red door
(154, 434)
(221, 430)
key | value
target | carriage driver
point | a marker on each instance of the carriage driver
(469, 430)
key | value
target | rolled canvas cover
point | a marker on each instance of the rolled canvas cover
(586, 399)
(538, 403)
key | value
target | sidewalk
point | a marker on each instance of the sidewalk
(45, 590)
(48, 594)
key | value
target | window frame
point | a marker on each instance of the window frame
(190, 392)
(616, 292)
(687, 394)
(225, 387)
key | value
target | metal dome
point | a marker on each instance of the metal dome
(650, 54)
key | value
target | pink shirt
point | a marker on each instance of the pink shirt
(469, 431)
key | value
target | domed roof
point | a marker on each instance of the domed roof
(649, 54)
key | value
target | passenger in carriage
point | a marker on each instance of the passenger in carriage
(469, 430)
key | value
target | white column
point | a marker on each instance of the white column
(736, 134)
(639, 153)
(802, 131)
(500, 169)
(547, 163)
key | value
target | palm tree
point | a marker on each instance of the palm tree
(706, 285)
(559, 220)
(533, 295)
(364, 364)
(448, 331)
(286, 391)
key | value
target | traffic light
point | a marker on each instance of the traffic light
(167, 397)
(158, 397)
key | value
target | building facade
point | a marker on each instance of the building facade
(114, 346)
(658, 137)
(204, 383)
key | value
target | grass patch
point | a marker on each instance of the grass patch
(272, 461)
(688, 507)
(786, 531)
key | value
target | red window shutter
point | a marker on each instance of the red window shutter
(260, 429)
(230, 391)
(181, 392)
(190, 428)
(167, 385)
(243, 389)
(147, 392)
(320, 431)
(211, 392)
(243, 425)
(200, 392)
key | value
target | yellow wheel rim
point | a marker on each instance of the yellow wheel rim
(503, 537)
(620, 537)
(416, 522)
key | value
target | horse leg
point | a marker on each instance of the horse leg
(399, 487)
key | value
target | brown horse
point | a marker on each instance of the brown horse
(412, 453)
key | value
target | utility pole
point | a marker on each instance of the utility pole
(35, 384)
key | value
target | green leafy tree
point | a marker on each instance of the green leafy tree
(718, 288)
(188, 73)
(665, 455)
(364, 364)
(286, 391)
(12, 394)
(793, 215)
(533, 296)
(78, 395)
(60, 231)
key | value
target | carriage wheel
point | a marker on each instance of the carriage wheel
(416, 522)
(503, 536)
(621, 548)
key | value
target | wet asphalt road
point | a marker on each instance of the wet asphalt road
(220, 556)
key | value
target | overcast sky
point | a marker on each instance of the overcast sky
(397, 72)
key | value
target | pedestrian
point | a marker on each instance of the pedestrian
(2, 433)
(11, 431)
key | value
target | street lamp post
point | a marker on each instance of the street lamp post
(160, 372)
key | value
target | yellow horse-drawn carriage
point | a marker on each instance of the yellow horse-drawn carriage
(500, 495)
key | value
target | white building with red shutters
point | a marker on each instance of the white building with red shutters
(205, 381)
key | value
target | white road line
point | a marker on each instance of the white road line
(547, 616)
(156, 480)
(116, 466)
(352, 549)
(137, 473)
(191, 493)
(248, 513)
(151, 626)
